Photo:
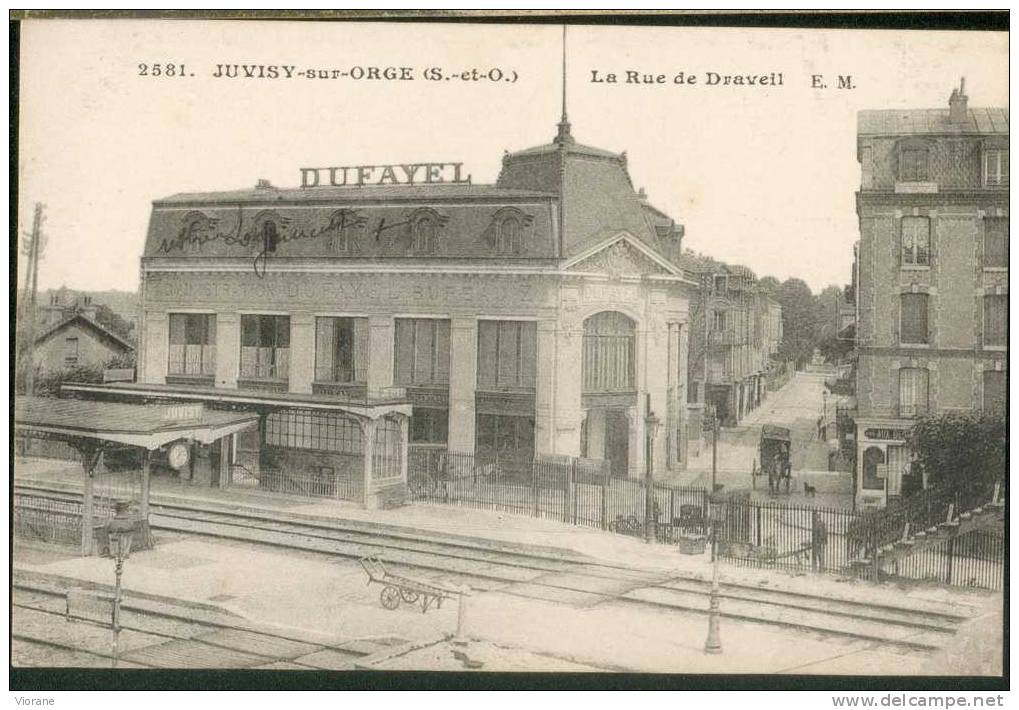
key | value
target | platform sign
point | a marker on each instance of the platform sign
(93, 607)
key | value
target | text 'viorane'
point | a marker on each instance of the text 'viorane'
(403, 174)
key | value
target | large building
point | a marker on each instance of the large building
(932, 289)
(736, 328)
(541, 314)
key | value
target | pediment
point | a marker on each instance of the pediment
(618, 259)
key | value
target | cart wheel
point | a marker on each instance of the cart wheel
(390, 597)
(408, 595)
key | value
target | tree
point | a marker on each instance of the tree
(960, 449)
(799, 320)
(113, 322)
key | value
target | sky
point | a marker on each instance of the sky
(761, 176)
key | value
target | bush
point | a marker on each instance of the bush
(959, 449)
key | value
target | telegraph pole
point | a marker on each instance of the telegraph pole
(34, 250)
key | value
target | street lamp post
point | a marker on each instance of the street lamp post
(121, 533)
(713, 644)
(651, 425)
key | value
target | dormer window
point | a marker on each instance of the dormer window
(913, 164)
(720, 285)
(425, 230)
(509, 236)
(996, 168)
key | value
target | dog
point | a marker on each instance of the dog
(809, 490)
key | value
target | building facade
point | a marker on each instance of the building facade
(77, 341)
(736, 331)
(932, 287)
(542, 314)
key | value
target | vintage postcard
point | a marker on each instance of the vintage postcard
(467, 347)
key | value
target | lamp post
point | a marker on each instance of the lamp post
(713, 644)
(651, 425)
(121, 533)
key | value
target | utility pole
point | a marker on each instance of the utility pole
(33, 249)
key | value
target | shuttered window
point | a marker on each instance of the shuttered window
(996, 320)
(913, 165)
(913, 391)
(506, 354)
(341, 350)
(192, 344)
(422, 351)
(916, 241)
(265, 347)
(996, 242)
(996, 167)
(913, 319)
(995, 391)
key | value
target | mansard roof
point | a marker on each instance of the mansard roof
(932, 121)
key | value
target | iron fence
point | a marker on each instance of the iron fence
(573, 490)
(56, 521)
(323, 482)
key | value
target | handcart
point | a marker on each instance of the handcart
(396, 587)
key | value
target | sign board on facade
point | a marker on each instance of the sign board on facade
(400, 174)
(183, 412)
(886, 434)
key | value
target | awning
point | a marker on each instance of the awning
(147, 426)
(364, 408)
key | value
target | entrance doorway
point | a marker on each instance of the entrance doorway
(617, 442)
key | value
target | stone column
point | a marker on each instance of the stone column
(302, 352)
(228, 349)
(368, 497)
(463, 379)
(596, 433)
(380, 353)
(157, 340)
(568, 375)
(683, 442)
(636, 443)
(657, 375)
(544, 384)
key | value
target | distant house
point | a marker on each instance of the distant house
(77, 341)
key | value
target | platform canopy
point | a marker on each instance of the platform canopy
(146, 426)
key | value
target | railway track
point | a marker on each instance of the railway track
(535, 574)
(155, 638)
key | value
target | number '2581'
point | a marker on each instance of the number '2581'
(162, 70)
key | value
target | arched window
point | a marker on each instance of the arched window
(509, 236)
(872, 458)
(609, 353)
(425, 229)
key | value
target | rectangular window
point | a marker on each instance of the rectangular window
(913, 323)
(341, 350)
(506, 354)
(916, 241)
(505, 435)
(996, 167)
(317, 431)
(265, 347)
(913, 165)
(422, 351)
(192, 344)
(429, 426)
(718, 321)
(71, 351)
(995, 391)
(913, 390)
(720, 285)
(996, 320)
(996, 242)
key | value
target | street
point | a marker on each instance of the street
(797, 407)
